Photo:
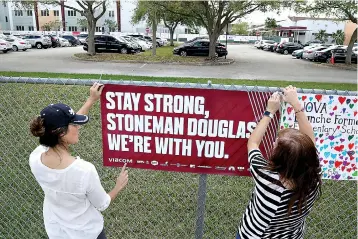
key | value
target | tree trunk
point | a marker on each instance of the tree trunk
(171, 30)
(350, 47)
(91, 32)
(154, 37)
(212, 47)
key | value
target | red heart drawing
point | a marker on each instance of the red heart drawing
(349, 170)
(355, 113)
(335, 107)
(318, 97)
(343, 168)
(289, 110)
(321, 141)
(339, 148)
(338, 163)
(351, 145)
(355, 100)
(338, 127)
(304, 97)
(325, 161)
(351, 157)
(341, 99)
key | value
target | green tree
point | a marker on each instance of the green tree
(270, 25)
(338, 37)
(343, 10)
(149, 12)
(52, 26)
(241, 28)
(91, 10)
(214, 15)
(322, 35)
(111, 25)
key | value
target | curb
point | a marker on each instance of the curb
(218, 63)
(336, 67)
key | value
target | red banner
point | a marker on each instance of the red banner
(177, 129)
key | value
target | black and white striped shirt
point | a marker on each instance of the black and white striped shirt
(266, 216)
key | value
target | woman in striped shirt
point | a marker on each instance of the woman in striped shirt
(288, 183)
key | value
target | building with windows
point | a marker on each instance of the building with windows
(65, 19)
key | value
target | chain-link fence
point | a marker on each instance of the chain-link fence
(155, 204)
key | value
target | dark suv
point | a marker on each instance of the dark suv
(288, 47)
(104, 43)
(72, 40)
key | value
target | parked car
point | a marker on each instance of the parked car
(297, 53)
(54, 40)
(340, 55)
(104, 43)
(18, 43)
(199, 48)
(256, 44)
(133, 44)
(82, 37)
(325, 54)
(314, 42)
(263, 43)
(72, 40)
(288, 47)
(309, 53)
(39, 41)
(5, 46)
(64, 42)
(196, 39)
(268, 46)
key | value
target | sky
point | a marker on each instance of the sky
(258, 18)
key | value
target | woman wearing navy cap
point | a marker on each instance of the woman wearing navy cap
(74, 195)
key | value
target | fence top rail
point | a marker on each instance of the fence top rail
(209, 85)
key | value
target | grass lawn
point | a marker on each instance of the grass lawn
(272, 83)
(164, 54)
(155, 205)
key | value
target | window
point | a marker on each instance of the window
(29, 13)
(72, 29)
(83, 29)
(111, 13)
(56, 13)
(18, 13)
(98, 29)
(45, 13)
(31, 28)
(6, 19)
(4, 3)
(71, 13)
(20, 28)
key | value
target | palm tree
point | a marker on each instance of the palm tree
(322, 35)
(338, 37)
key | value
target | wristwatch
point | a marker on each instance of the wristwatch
(269, 114)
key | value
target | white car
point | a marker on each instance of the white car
(18, 43)
(64, 42)
(309, 53)
(144, 44)
(257, 44)
(5, 46)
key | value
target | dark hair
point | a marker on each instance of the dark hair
(48, 138)
(295, 158)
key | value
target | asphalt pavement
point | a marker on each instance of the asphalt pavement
(250, 63)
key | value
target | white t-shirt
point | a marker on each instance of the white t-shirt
(73, 200)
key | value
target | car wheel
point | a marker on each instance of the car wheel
(216, 55)
(5, 51)
(15, 48)
(70, 44)
(183, 53)
(285, 52)
(124, 50)
(328, 60)
(24, 49)
(38, 45)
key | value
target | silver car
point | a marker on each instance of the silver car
(309, 53)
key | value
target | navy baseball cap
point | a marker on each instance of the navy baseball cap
(61, 115)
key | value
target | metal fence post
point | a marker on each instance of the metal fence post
(199, 231)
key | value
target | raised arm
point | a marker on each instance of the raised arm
(255, 139)
(290, 96)
(95, 94)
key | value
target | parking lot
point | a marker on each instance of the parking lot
(250, 63)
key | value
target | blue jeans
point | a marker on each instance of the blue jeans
(238, 235)
(102, 235)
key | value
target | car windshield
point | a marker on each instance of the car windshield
(122, 39)
(83, 35)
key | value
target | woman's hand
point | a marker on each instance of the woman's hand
(274, 102)
(290, 96)
(96, 91)
(122, 179)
